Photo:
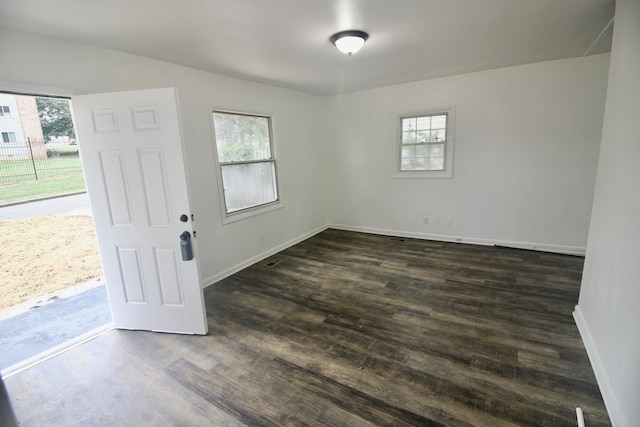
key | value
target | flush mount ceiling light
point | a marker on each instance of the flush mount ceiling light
(350, 41)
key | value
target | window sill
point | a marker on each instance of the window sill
(424, 175)
(234, 217)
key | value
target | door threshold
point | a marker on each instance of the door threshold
(55, 351)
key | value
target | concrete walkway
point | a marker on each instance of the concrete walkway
(32, 330)
(77, 204)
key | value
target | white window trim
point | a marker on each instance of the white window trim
(228, 218)
(450, 110)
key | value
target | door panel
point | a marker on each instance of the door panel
(131, 149)
(155, 186)
(134, 292)
(115, 182)
(170, 283)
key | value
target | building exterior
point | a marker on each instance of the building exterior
(20, 128)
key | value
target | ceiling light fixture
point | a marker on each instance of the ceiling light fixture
(350, 41)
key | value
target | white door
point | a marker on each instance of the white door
(131, 151)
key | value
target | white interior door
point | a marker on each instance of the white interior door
(131, 150)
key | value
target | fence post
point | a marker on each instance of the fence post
(33, 162)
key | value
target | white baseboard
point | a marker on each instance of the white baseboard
(608, 395)
(562, 249)
(543, 247)
(232, 270)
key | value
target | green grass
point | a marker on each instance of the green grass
(41, 189)
(22, 170)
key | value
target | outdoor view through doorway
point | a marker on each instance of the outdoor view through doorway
(51, 269)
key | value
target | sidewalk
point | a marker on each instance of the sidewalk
(43, 327)
(77, 204)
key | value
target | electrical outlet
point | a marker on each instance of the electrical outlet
(425, 220)
(449, 220)
(262, 239)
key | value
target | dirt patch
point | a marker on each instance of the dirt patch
(43, 255)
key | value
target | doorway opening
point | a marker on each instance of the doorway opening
(52, 290)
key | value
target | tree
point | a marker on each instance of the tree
(55, 117)
(241, 137)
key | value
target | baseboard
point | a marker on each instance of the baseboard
(561, 249)
(543, 247)
(266, 254)
(608, 395)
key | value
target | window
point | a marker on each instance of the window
(5, 111)
(8, 137)
(247, 164)
(426, 145)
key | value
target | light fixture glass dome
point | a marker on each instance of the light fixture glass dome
(349, 42)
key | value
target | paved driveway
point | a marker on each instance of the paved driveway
(77, 204)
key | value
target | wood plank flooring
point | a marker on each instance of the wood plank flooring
(345, 329)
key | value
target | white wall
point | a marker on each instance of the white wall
(527, 141)
(527, 144)
(221, 248)
(607, 312)
(526, 149)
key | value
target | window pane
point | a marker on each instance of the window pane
(423, 136)
(249, 185)
(241, 138)
(422, 151)
(420, 163)
(409, 137)
(436, 163)
(436, 136)
(415, 157)
(436, 150)
(409, 124)
(424, 123)
(408, 164)
(439, 122)
(9, 137)
(415, 164)
(409, 151)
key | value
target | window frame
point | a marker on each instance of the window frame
(228, 217)
(449, 144)
(5, 113)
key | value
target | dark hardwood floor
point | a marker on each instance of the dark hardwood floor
(345, 329)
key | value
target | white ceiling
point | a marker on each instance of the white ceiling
(286, 42)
